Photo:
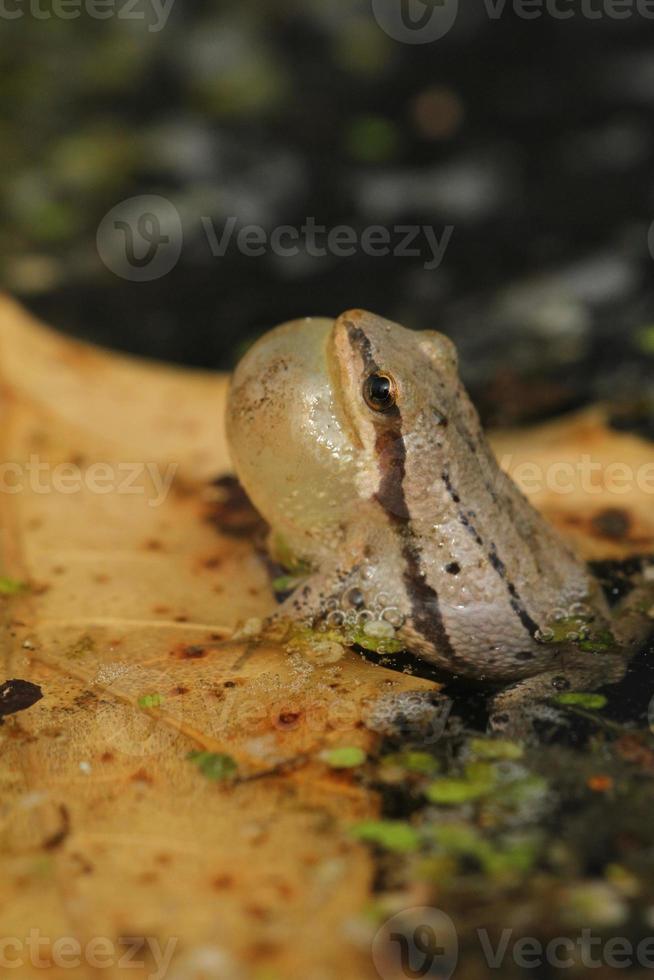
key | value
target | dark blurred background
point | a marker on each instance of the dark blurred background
(531, 139)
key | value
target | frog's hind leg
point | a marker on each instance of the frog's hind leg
(630, 625)
(513, 709)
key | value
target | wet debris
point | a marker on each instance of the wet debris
(229, 509)
(618, 576)
(17, 695)
(56, 839)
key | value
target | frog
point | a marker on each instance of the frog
(357, 442)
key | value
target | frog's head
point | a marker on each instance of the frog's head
(322, 415)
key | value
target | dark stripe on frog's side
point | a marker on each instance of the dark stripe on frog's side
(516, 602)
(427, 617)
(496, 562)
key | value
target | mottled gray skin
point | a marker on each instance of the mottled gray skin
(404, 508)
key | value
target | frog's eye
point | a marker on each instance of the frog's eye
(380, 392)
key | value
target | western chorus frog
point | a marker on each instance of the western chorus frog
(358, 444)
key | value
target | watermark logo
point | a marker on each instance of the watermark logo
(422, 942)
(141, 238)
(416, 943)
(415, 21)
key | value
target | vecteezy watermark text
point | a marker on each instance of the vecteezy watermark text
(425, 21)
(565, 9)
(140, 239)
(341, 241)
(153, 13)
(585, 474)
(150, 480)
(423, 941)
(565, 952)
(99, 953)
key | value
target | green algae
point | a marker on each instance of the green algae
(344, 757)
(12, 586)
(420, 763)
(154, 700)
(495, 748)
(214, 765)
(392, 835)
(582, 699)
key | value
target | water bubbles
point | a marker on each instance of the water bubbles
(392, 615)
(355, 597)
(568, 625)
(418, 715)
(356, 615)
(579, 610)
